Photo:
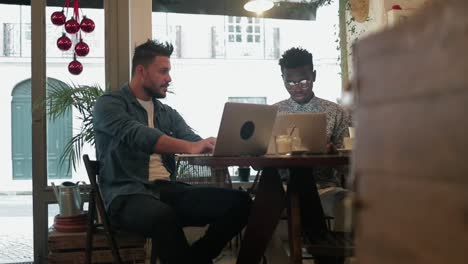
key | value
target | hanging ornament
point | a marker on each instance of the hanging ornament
(75, 67)
(58, 18)
(87, 25)
(64, 43)
(81, 48)
(71, 26)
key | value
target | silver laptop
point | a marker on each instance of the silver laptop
(310, 127)
(245, 129)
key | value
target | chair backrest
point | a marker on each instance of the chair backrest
(96, 202)
(92, 168)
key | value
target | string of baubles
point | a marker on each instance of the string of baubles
(73, 26)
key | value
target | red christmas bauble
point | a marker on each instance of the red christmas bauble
(81, 48)
(58, 18)
(71, 26)
(75, 67)
(87, 25)
(64, 43)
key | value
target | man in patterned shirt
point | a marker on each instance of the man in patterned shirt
(298, 74)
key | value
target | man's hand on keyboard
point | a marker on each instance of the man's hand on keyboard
(203, 146)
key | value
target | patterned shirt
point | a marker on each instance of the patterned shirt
(338, 122)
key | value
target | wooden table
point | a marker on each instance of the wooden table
(270, 199)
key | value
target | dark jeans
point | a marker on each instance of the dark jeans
(224, 210)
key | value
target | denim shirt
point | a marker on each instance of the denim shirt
(124, 142)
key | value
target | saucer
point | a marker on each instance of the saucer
(82, 214)
(344, 150)
(298, 152)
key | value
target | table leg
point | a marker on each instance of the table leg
(294, 224)
(221, 177)
(305, 209)
(266, 211)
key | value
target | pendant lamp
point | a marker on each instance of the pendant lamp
(258, 6)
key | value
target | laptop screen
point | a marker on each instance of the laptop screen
(245, 129)
(311, 128)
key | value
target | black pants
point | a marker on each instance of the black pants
(224, 210)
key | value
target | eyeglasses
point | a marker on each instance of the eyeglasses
(303, 84)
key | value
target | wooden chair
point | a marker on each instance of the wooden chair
(335, 245)
(96, 203)
(338, 245)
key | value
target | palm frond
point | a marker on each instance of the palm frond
(60, 99)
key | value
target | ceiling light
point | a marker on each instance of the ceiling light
(258, 6)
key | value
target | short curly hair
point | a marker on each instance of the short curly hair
(145, 53)
(296, 57)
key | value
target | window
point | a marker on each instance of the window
(17, 41)
(27, 32)
(170, 33)
(245, 37)
(248, 100)
(217, 63)
(247, 29)
(11, 39)
(17, 104)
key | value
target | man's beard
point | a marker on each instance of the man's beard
(153, 94)
(306, 98)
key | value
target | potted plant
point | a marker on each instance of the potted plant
(62, 98)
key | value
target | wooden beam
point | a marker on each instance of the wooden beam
(117, 43)
(39, 128)
(343, 42)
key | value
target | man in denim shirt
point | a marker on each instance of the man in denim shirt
(136, 139)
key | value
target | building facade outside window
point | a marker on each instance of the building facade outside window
(15, 62)
(248, 100)
(225, 57)
(216, 59)
(16, 221)
(244, 29)
(245, 37)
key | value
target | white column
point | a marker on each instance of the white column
(140, 22)
(128, 23)
(117, 51)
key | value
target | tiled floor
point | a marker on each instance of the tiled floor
(233, 261)
(230, 259)
(228, 256)
(275, 252)
(16, 239)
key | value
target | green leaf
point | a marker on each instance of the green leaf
(62, 98)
